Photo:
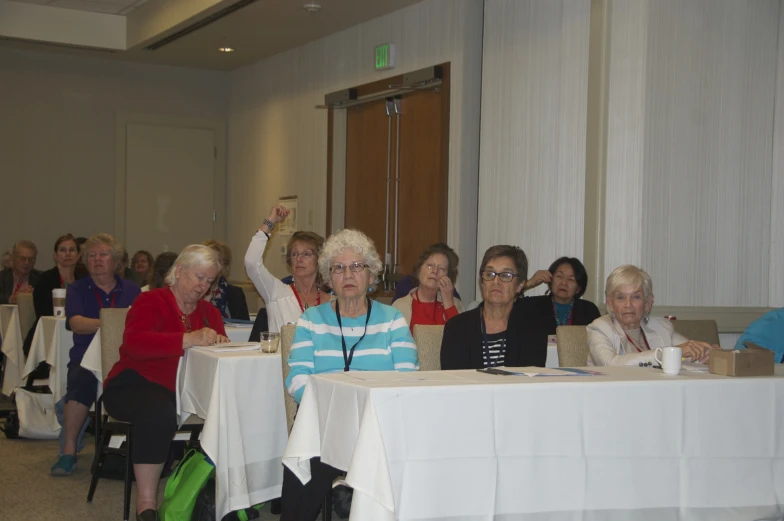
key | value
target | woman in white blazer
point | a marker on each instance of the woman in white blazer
(627, 335)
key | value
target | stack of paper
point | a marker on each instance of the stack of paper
(230, 346)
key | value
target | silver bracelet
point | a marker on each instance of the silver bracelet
(269, 223)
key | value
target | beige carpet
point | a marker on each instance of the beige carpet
(28, 492)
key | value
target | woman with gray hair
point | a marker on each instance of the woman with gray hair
(84, 300)
(628, 335)
(349, 333)
(141, 386)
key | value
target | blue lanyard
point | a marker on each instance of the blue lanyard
(348, 357)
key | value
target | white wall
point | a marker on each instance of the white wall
(278, 140)
(534, 106)
(57, 136)
(692, 194)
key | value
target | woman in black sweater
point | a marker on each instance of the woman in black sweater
(502, 330)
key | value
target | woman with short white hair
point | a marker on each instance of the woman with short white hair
(628, 335)
(141, 386)
(350, 333)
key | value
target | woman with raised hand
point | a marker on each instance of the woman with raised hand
(286, 302)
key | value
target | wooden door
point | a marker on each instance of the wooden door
(367, 161)
(412, 177)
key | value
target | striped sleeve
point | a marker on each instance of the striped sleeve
(301, 359)
(404, 351)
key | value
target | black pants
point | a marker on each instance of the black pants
(303, 502)
(150, 408)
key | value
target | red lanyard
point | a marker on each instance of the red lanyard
(100, 302)
(299, 301)
(644, 339)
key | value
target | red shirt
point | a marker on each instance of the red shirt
(152, 341)
(429, 313)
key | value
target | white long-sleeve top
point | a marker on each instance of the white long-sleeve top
(608, 347)
(282, 305)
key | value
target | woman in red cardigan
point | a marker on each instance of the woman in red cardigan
(140, 388)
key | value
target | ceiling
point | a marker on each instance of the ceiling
(260, 29)
(121, 7)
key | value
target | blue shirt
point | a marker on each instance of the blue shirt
(767, 332)
(317, 347)
(84, 298)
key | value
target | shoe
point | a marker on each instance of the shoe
(64, 467)
(148, 515)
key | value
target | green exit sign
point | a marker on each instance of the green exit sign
(385, 56)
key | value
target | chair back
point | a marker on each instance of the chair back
(24, 302)
(702, 330)
(112, 329)
(286, 337)
(428, 342)
(572, 346)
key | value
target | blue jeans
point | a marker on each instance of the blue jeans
(59, 410)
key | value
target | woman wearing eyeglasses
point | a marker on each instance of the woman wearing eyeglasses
(350, 333)
(499, 332)
(286, 302)
(432, 301)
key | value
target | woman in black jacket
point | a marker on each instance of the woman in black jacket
(502, 330)
(561, 305)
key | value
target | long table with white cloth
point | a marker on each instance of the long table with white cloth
(629, 444)
(51, 344)
(12, 348)
(240, 397)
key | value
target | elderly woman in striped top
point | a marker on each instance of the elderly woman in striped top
(351, 333)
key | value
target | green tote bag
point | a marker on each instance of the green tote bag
(183, 487)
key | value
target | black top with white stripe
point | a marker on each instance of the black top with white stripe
(494, 349)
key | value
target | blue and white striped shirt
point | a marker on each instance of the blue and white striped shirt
(317, 347)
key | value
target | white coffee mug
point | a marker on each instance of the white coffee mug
(669, 358)
(58, 300)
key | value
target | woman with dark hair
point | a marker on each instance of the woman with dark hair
(161, 266)
(432, 301)
(286, 302)
(141, 264)
(561, 305)
(66, 254)
(500, 331)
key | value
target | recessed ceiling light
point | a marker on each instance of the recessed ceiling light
(312, 7)
(226, 49)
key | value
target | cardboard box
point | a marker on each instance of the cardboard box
(752, 361)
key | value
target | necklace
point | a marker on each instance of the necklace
(303, 301)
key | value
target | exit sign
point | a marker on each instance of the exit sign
(385, 56)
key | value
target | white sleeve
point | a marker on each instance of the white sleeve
(269, 286)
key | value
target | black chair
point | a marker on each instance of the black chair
(260, 324)
(112, 328)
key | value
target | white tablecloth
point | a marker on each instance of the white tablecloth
(51, 344)
(240, 397)
(92, 357)
(11, 333)
(633, 444)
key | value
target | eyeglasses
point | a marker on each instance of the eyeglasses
(505, 276)
(436, 268)
(355, 267)
(307, 254)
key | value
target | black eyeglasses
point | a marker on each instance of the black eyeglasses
(505, 276)
(355, 267)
